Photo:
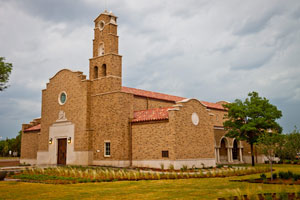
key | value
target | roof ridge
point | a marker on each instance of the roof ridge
(151, 94)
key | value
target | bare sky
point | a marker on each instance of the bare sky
(208, 49)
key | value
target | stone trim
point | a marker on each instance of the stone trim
(28, 161)
(113, 163)
(108, 76)
(176, 163)
(218, 128)
(80, 73)
(106, 54)
(108, 93)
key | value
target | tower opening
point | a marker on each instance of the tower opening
(95, 72)
(103, 70)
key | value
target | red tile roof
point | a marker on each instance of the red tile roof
(166, 97)
(151, 115)
(213, 105)
(34, 128)
(153, 95)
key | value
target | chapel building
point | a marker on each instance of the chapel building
(98, 121)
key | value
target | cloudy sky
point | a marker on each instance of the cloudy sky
(208, 49)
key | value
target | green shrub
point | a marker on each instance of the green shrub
(11, 173)
(286, 162)
(162, 166)
(184, 168)
(286, 175)
(268, 197)
(274, 176)
(171, 167)
(219, 166)
(263, 176)
(296, 177)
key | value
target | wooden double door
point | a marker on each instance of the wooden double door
(62, 151)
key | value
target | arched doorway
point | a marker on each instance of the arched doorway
(223, 151)
(235, 151)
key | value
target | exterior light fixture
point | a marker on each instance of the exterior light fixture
(50, 141)
(69, 140)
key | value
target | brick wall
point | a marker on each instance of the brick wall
(144, 103)
(149, 139)
(29, 145)
(110, 115)
(193, 141)
(75, 108)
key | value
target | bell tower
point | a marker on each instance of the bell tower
(106, 64)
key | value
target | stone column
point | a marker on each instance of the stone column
(241, 155)
(228, 155)
(217, 151)
(216, 156)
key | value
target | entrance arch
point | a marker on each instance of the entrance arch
(223, 150)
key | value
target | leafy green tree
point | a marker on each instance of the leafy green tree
(289, 145)
(247, 120)
(13, 144)
(293, 142)
(16, 143)
(5, 70)
(268, 144)
(2, 144)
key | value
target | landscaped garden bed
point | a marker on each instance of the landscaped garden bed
(69, 174)
(287, 178)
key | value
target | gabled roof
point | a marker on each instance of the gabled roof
(152, 95)
(166, 97)
(151, 115)
(33, 128)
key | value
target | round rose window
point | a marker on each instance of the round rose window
(62, 98)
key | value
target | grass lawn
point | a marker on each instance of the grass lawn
(203, 188)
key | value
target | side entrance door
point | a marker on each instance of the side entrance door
(62, 151)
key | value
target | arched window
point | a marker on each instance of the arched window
(95, 72)
(101, 50)
(103, 70)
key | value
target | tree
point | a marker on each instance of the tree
(5, 70)
(289, 146)
(13, 144)
(249, 119)
(268, 144)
